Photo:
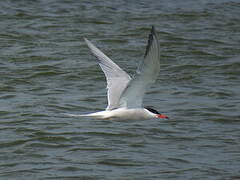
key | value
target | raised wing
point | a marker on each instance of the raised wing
(117, 79)
(146, 74)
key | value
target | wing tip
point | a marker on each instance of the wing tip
(86, 40)
(153, 30)
(150, 40)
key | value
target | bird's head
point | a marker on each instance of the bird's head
(156, 113)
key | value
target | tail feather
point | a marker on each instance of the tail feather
(74, 115)
(97, 115)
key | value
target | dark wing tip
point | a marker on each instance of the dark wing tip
(153, 30)
(150, 40)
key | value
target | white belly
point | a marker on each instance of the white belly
(122, 113)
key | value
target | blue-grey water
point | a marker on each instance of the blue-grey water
(47, 70)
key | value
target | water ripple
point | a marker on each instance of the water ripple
(46, 71)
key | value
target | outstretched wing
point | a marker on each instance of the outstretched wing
(117, 79)
(146, 74)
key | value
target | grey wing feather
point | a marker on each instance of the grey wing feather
(117, 79)
(146, 74)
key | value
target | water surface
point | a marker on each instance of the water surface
(47, 70)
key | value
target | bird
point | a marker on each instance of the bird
(124, 93)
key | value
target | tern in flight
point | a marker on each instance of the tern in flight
(125, 94)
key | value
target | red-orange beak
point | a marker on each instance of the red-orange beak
(162, 116)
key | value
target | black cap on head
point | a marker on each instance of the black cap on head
(152, 110)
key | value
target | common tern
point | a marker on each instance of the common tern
(125, 94)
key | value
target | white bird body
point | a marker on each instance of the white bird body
(125, 94)
(123, 113)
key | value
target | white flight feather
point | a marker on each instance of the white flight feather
(146, 74)
(117, 79)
